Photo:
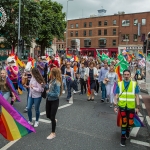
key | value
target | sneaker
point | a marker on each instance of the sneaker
(111, 105)
(31, 123)
(51, 136)
(123, 141)
(95, 93)
(36, 124)
(76, 91)
(63, 91)
(26, 110)
(102, 100)
(127, 135)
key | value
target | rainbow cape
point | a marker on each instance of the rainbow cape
(11, 87)
(13, 125)
(137, 121)
(88, 87)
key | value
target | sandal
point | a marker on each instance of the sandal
(89, 99)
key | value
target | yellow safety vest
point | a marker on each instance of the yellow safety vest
(127, 98)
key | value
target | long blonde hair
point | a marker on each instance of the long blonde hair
(55, 72)
(113, 68)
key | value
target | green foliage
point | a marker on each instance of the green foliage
(53, 23)
(29, 20)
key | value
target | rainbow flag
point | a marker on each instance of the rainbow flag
(68, 56)
(88, 87)
(141, 54)
(13, 125)
(11, 87)
(76, 58)
(117, 70)
(137, 121)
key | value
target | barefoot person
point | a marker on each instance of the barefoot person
(52, 102)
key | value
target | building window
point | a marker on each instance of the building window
(135, 37)
(77, 25)
(105, 23)
(99, 32)
(71, 33)
(84, 33)
(125, 37)
(84, 24)
(90, 32)
(143, 22)
(105, 31)
(73, 44)
(59, 46)
(125, 23)
(87, 43)
(90, 24)
(114, 42)
(143, 37)
(62, 46)
(99, 23)
(135, 22)
(102, 42)
(114, 22)
(71, 25)
(76, 33)
(114, 31)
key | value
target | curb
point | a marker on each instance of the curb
(145, 114)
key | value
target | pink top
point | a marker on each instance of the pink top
(37, 89)
(12, 75)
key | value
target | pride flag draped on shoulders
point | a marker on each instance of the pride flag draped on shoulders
(13, 126)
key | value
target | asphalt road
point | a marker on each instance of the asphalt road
(81, 126)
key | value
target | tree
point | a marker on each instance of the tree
(30, 16)
(53, 23)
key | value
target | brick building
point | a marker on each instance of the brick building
(109, 34)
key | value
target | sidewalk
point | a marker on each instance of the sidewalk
(145, 98)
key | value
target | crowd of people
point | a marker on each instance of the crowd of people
(87, 76)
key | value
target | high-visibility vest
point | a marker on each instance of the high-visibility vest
(127, 98)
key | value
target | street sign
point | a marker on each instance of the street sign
(3, 17)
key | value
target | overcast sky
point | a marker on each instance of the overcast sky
(85, 8)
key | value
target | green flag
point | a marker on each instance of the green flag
(120, 57)
(104, 57)
(98, 54)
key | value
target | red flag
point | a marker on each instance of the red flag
(88, 87)
(117, 70)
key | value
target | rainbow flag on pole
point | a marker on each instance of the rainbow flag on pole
(13, 126)
(68, 56)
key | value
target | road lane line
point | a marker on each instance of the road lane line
(143, 106)
(8, 145)
(148, 120)
(140, 143)
(135, 130)
(43, 120)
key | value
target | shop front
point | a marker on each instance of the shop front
(131, 49)
(112, 52)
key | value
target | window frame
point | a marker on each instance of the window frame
(84, 31)
(88, 44)
(114, 42)
(90, 32)
(99, 23)
(85, 24)
(76, 33)
(104, 42)
(71, 33)
(104, 31)
(142, 22)
(115, 22)
(125, 40)
(127, 24)
(105, 23)
(114, 33)
(77, 25)
(90, 24)
(71, 26)
(134, 38)
(99, 31)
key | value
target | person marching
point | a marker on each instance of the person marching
(52, 102)
(35, 95)
(111, 77)
(128, 104)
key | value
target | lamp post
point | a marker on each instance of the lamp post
(18, 52)
(67, 25)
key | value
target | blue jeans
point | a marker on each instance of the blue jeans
(64, 83)
(27, 96)
(103, 90)
(36, 102)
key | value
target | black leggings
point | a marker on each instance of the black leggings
(97, 86)
(51, 110)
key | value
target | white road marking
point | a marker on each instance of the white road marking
(140, 96)
(140, 143)
(148, 120)
(8, 145)
(135, 130)
(42, 120)
(143, 106)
